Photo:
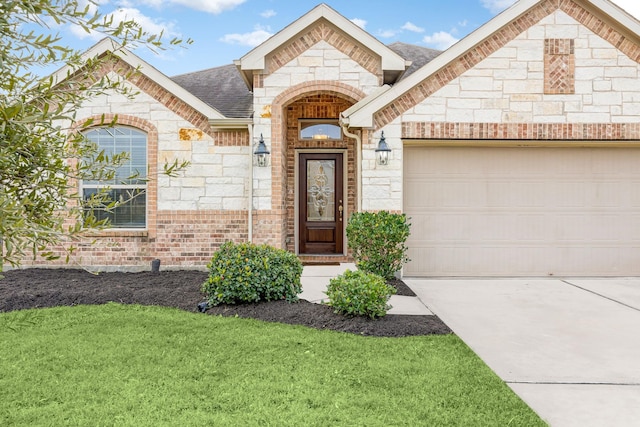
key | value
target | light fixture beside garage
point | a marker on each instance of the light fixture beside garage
(382, 152)
(261, 153)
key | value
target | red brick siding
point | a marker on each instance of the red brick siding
(521, 131)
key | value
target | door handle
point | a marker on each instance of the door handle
(340, 209)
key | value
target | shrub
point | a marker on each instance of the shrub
(360, 293)
(377, 240)
(247, 272)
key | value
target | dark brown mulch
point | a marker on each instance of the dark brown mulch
(35, 288)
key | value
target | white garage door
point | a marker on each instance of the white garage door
(522, 211)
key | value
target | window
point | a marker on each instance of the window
(129, 183)
(319, 129)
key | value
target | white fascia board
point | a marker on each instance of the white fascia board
(618, 14)
(255, 59)
(345, 116)
(109, 45)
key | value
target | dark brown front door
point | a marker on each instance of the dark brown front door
(321, 211)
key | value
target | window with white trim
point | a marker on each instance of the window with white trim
(129, 184)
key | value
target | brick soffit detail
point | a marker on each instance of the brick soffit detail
(322, 31)
(498, 40)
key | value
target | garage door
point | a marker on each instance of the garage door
(522, 211)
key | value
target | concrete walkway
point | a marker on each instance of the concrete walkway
(315, 279)
(569, 348)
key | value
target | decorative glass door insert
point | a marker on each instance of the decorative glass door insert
(321, 196)
(321, 203)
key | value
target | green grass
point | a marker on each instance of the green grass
(136, 366)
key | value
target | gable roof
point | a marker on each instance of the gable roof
(108, 45)
(393, 65)
(224, 89)
(404, 94)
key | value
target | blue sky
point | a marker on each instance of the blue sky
(224, 30)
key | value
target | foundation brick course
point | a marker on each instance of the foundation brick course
(182, 239)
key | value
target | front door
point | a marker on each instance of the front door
(321, 210)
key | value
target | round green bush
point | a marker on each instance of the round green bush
(246, 272)
(359, 293)
(378, 241)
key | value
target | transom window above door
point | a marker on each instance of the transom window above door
(319, 129)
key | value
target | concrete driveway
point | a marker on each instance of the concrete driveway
(570, 348)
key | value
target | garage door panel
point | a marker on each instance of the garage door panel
(523, 211)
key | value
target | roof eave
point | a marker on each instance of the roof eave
(108, 45)
(255, 59)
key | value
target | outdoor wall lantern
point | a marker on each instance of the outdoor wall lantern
(261, 153)
(382, 152)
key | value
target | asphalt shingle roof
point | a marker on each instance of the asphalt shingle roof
(224, 89)
(419, 55)
(220, 87)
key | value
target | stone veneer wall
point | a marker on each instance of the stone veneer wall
(520, 45)
(323, 61)
(509, 85)
(188, 216)
(497, 92)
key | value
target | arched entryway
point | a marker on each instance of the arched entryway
(319, 165)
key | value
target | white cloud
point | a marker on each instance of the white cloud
(440, 40)
(359, 22)
(209, 6)
(148, 24)
(412, 27)
(496, 6)
(387, 34)
(268, 13)
(251, 39)
(630, 6)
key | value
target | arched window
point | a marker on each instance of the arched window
(319, 129)
(129, 184)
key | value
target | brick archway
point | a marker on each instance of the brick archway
(318, 99)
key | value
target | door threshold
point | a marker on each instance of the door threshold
(320, 263)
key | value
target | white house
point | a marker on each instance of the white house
(516, 152)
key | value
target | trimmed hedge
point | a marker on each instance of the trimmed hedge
(247, 272)
(377, 240)
(360, 294)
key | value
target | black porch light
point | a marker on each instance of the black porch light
(382, 152)
(261, 153)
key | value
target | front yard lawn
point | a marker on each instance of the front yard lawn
(136, 365)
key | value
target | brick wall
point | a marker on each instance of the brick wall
(184, 239)
(318, 106)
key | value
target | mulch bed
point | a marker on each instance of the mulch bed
(35, 288)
